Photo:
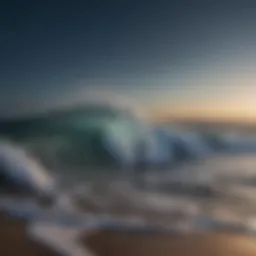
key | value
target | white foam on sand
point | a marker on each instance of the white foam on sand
(64, 240)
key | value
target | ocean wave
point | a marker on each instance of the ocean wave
(104, 136)
(124, 169)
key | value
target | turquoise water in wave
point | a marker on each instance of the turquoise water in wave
(77, 137)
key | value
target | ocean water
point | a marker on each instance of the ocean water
(216, 190)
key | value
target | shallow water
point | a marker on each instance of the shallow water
(220, 188)
(217, 191)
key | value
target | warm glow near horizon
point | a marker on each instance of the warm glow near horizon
(229, 110)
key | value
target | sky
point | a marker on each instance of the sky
(172, 58)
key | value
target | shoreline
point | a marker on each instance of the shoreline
(22, 237)
(123, 243)
(19, 236)
(16, 241)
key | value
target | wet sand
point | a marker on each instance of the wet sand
(15, 240)
(118, 243)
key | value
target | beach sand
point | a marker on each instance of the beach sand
(121, 243)
(15, 240)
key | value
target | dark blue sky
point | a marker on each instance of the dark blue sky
(166, 54)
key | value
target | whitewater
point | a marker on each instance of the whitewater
(213, 191)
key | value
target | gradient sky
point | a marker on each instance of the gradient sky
(173, 57)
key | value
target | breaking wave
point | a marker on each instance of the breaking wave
(139, 174)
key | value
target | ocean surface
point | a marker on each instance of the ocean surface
(216, 190)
